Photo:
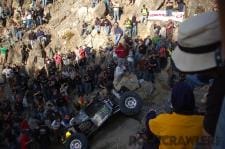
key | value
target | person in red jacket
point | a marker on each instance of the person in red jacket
(82, 56)
(121, 53)
(24, 140)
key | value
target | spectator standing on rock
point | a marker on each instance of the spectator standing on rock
(3, 51)
(29, 20)
(97, 24)
(116, 11)
(156, 29)
(19, 32)
(169, 7)
(24, 54)
(118, 33)
(134, 26)
(107, 4)
(58, 60)
(128, 27)
(181, 5)
(144, 12)
(40, 15)
(84, 28)
(107, 26)
(162, 32)
(32, 37)
(170, 30)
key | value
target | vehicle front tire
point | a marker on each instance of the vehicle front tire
(77, 141)
(130, 103)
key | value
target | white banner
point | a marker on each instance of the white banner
(161, 15)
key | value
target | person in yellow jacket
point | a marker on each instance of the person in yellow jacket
(128, 27)
(180, 129)
(144, 12)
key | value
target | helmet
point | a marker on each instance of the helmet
(68, 134)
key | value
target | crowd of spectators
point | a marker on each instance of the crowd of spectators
(42, 104)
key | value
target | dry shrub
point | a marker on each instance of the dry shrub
(67, 36)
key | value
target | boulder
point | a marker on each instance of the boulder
(159, 4)
(100, 10)
(146, 89)
(129, 81)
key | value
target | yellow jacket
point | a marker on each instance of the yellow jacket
(177, 131)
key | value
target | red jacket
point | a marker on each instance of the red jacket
(121, 52)
(24, 140)
(24, 125)
(82, 53)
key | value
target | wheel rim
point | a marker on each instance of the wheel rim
(130, 102)
(75, 144)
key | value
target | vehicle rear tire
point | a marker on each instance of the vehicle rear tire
(130, 103)
(77, 141)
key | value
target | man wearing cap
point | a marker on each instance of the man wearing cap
(183, 124)
(199, 51)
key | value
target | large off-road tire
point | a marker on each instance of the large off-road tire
(130, 103)
(77, 141)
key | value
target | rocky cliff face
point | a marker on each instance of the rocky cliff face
(67, 17)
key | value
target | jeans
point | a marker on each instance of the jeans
(128, 32)
(121, 61)
(80, 89)
(116, 15)
(33, 3)
(62, 110)
(29, 23)
(107, 30)
(144, 19)
(83, 31)
(117, 39)
(39, 20)
(97, 27)
(87, 87)
(19, 35)
(148, 76)
(130, 66)
(169, 12)
(219, 140)
(44, 2)
(32, 42)
(106, 2)
(134, 30)
(193, 81)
